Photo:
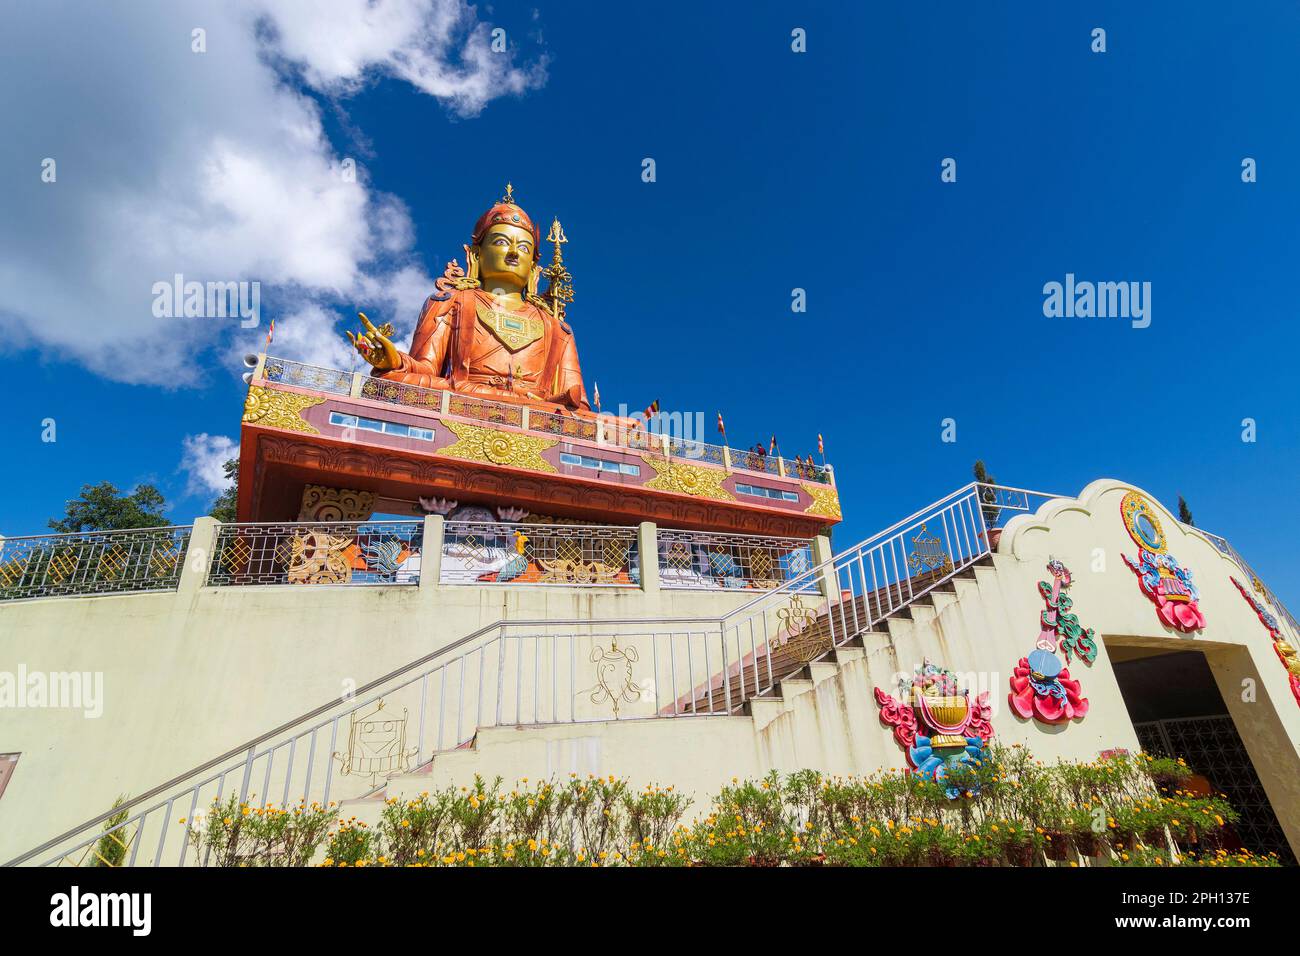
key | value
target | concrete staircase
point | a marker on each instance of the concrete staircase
(797, 678)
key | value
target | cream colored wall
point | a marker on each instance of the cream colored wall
(195, 673)
(191, 674)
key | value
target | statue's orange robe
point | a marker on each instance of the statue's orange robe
(453, 349)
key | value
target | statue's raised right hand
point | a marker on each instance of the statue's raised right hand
(375, 347)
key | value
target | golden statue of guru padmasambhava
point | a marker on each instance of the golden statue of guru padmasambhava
(492, 334)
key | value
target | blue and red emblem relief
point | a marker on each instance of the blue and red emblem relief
(1041, 686)
(1167, 583)
(937, 725)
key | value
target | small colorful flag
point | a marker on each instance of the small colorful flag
(721, 427)
(270, 332)
(597, 395)
(821, 446)
(651, 410)
(771, 448)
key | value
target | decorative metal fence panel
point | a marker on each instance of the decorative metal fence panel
(570, 555)
(399, 393)
(567, 426)
(354, 553)
(807, 471)
(94, 562)
(499, 413)
(753, 461)
(308, 376)
(1213, 748)
(695, 451)
(699, 560)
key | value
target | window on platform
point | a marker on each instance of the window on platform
(599, 464)
(387, 428)
(758, 491)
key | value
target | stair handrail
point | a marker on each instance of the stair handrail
(812, 574)
(251, 745)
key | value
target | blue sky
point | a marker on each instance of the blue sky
(775, 170)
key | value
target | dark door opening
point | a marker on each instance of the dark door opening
(1177, 710)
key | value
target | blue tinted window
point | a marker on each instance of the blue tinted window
(374, 425)
(598, 464)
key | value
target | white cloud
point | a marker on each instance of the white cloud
(209, 165)
(203, 458)
(438, 47)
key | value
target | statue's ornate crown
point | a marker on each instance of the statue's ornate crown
(508, 212)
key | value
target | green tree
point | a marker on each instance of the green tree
(223, 508)
(987, 495)
(103, 507)
(112, 846)
(1184, 512)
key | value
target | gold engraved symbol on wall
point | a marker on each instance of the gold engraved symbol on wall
(276, 409)
(928, 554)
(514, 330)
(477, 443)
(614, 675)
(803, 641)
(376, 745)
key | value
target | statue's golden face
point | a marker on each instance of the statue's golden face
(505, 258)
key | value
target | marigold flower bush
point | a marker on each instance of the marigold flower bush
(1010, 810)
(237, 833)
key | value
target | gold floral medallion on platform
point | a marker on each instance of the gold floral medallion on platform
(687, 479)
(476, 443)
(825, 501)
(277, 409)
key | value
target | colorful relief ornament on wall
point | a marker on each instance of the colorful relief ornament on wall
(1167, 583)
(1041, 686)
(938, 726)
(1281, 646)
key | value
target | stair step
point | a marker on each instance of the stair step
(892, 607)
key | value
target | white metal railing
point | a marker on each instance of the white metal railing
(92, 562)
(565, 555)
(778, 632)
(307, 376)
